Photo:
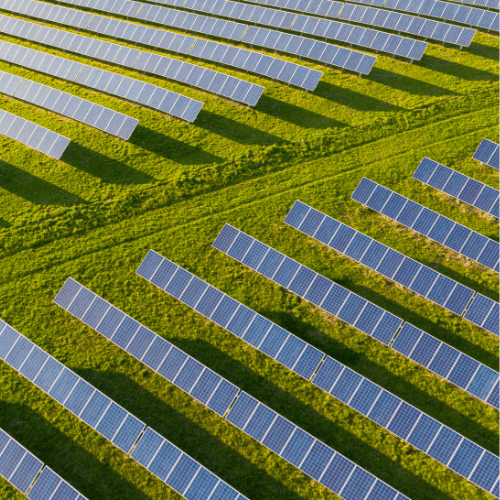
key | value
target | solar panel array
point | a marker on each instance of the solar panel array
(159, 456)
(68, 105)
(34, 136)
(282, 42)
(484, 313)
(490, 4)
(441, 10)
(174, 69)
(333, 377)
(380, 258)
(263, 424)
(488, 153)
(453, 235)
(106, 81)
(459, 186)
(21, 468)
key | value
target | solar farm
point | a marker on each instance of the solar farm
(250, 249)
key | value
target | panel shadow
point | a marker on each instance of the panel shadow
(485, 51)
(455, 69)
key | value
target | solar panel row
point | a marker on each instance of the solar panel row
(380, 258)
(174, 69)
(488, 153)
(106, 81)
(459, 186)
(490, 4)
(484, 313)
(159, 456)
(21, 468)
(441, 10)
(473, 245)
(402, 23)
(281, 436)
(68, 105)
(34, 136)
(332, 376)
(276, 40)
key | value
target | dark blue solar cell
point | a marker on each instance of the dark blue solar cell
(8, 338)
(335, 299)
(260, 422)
(326, 230)
(358, 485)
(379, 198)
(441, 290)
(424, 432)
(409, 213)
(297, 447)
(179, 282)
(125, 332)
(273, 341)
(425, 170)
(369, 318)
(302, 281)
(291, 351)
(490, 254)
(317, 459)
(457, 237)
(382, 491)
(296, 215)
(225, 238)
(486, 472)
(242, 410)
(257, 330)
(312, 221)
(240, 246)
(149, 265)
(384, 408)
(270, 263)
(471, 191)
(483, 381)
(444, 445)
(67, 293)
(386, 328)
(278, 434)
(81, 302)
(328, 374)
(440, 176)
(140, 343)
(147, 446)
(407, 272)
(286, 272)
(224, 311)
(110, 322)
(164, 273)
(463, 371)
(45, 485)
(374, 254)
(224, 492)
(308, 362)
(202, 485)
(459, 299)
(79, 397)
(364, 190)
(95, 312)
(358, 245)
(95, 408)
(424, 280)
(240, 321)
(474, 245)
(351, 308)
(365, 396)
(318, 290)
(63, 385)
(492, 323)
(444, 360)
(486, 199)
(404, 420)
(25, 473)
(183, 473)
(390, 263)
(465, 458)
(394, 206)
(407, 339)
(346, 385)
(336, 474)
(173, 362)
(441, 229)
(455, 184)
(342, 238)
(156, 352)
(19, 352)
(425, 221)
(128, 433)
(425, 349)
(164, 461)
(254, 256)
(209, 301)
(111, 421)
(193, 292)
(33, 363)
(48, 374)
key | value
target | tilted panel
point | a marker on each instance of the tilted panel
(487, 153)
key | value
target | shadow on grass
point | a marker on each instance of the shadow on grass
(455, 69)
(33, 189)
(103, 167)
(170, 148)
(84, 471)
(196, 441)
(478, 49)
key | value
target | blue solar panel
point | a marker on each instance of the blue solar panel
(487, 152)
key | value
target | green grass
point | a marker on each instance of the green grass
(94, 215)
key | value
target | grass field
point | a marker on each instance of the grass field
(171, 187)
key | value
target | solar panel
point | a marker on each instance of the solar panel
(464, 188)
(487, 153)
(369, 252)
(428, 223)
(94, 408)
(257, 420)
(484, 313)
